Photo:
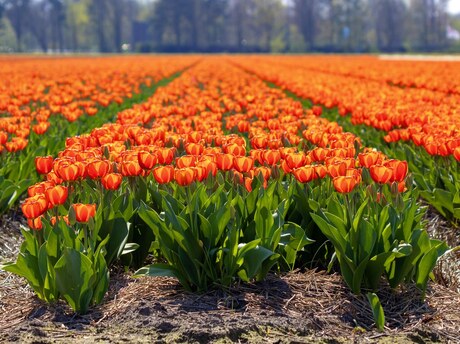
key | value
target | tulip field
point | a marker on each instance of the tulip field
(224, 170)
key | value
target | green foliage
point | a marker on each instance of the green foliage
(11, 192)
(200, 239)
(377, 310)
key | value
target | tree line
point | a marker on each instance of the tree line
(223, 25)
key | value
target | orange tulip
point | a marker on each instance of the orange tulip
(130, 168)
(304, 174)
(35, 223)
(271, 157)
(209, 166)
(399, 169)
(56, 195)
(186, 161)
(98, 168)
(83, 212)
(69, 171)
(259, 142)
(165, 155)
(368, 159)
(457, 153)
(34, 206)
(285, 167)
(317, 110)
(60, 218)
(111, 181)
(200, 173)
(296, 160)
(3, 137)
(147, 159)
(163, 174)
(319, 154)
(224, 161)
(344, 184)
(264, 171)
(248, 183)
(54, 178)
(44, 164)
(39, 188)
(431, 148)
(337, 169)
(194, 148)
(243, 163)
(235, 149)
(381, 174)
(184, 176)
(320, 170)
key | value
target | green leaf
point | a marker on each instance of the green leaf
(74, 273)
(130, 247)
(101, 278)
(156, 270)
(425, 266)
(254, 258)
(377, 310)
(117, 231)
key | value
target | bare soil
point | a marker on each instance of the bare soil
(298, 307)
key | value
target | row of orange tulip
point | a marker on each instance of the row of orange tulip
(214, 117)
(428, 118)
(442, 76)
(33, 89)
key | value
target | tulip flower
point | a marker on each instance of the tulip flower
(186, 161)
(163, 174)
(344, 184)
(381, 174)
(59, 218)
(296, 160)
(224, 161)
(304, 174)
(235, 149)
(194, 149)
(368, 159)
(98, 168)
(337, 169)
(44, 164)
(69, 171)
(147, 160)
(165, 155)
(243, 163)
(184, 176)
(457, 153)
(35, 223)
(399, 169)
(34, 206)
(56, 195)
(271, 157)
(111, 181)
(130, 168)
(83, 212)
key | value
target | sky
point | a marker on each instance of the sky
(454, 6)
